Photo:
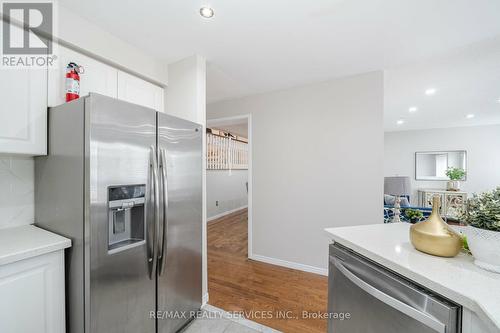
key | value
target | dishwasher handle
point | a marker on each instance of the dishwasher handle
(396, 304)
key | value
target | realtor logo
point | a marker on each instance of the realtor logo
(27, 28)
(27, 34)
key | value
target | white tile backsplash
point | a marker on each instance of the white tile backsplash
(17, 196)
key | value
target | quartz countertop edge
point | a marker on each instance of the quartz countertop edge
(457, 279)
(23, 242)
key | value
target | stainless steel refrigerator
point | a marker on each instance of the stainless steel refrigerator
(124, 182)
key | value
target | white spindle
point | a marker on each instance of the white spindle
(230, 142)
(208, 151)
(219, 152)
(211, 156)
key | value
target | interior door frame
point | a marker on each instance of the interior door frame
(248, 118)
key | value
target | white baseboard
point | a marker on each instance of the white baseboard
(204, 300)
(238, 318)
(289, 264)
(218, 216)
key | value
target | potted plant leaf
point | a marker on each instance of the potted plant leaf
(482, 216)
(414, 215)
(455, 175)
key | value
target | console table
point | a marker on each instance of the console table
(452, 202)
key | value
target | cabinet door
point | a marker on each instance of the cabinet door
(97, 77)
(32, 295)
(23, 111)
(455, 204)
(428, 200)
(135, 90)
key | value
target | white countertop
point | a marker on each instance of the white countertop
(18, 243)
(455, 278)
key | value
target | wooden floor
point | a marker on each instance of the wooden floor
(262, 291)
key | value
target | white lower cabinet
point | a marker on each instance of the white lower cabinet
(23, 111)
(135, 90)
(97, 77)
(32, 295)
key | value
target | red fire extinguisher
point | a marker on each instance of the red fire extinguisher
(73, 72)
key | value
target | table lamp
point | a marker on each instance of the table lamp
(397, 186)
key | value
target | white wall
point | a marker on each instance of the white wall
(16, 191)
(317, 163)
(228, 188)
(185, 97)
(482, 144)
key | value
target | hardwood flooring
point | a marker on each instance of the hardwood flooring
(262, 291)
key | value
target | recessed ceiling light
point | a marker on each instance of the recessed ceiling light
(400, 122)
(498, 100)
(207, 12)
(413, 109)
(430, 91)
(470, 116)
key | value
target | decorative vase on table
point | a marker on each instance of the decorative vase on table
(455, 175)
(434, 236)
(483, 231)
(453, 185)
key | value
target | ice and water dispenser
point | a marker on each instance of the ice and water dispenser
(126, 217)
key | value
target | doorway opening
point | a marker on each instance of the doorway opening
(237, 280)
(228, 167)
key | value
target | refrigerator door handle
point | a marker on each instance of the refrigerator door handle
(163, 247)
(396, 304)
(153, 218)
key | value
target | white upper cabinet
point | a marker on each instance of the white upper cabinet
(102, 79)
(23, 111)
(97, 77)
(26, 93)
(135, 90)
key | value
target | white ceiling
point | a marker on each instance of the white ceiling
(467, 82)
(264, 45)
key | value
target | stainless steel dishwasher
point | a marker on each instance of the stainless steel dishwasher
(380, 301)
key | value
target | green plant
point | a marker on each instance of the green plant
(483, 210)
(465, 245)
(455, 173)
(413, 214)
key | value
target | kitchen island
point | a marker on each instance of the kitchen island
(456, 279)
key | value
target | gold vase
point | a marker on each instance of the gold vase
(434, 236)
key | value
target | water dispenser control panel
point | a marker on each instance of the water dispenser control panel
(126, 217)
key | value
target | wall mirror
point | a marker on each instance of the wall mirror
(432, 165)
